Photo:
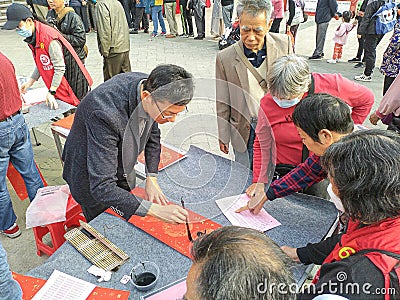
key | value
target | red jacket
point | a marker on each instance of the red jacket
(10, 98)
(44, 35)
(288, 143)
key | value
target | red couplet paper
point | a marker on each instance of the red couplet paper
(65, 122)
(175, 236)
(168, 156)
(31, 285)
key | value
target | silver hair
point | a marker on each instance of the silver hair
(254, 7)
(289, 76)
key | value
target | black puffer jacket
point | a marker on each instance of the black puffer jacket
(367, 26)
(72, 28)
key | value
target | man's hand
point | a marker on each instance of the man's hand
(154, 192)
(291, 252)
(257, 196)
(24, 87)
(224, 147)
(171, 213)
(359, 36)
(373, 118)
(51, 101)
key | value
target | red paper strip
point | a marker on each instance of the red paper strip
(65, 122)
(172, 235)
(31, 285)
(168, 156)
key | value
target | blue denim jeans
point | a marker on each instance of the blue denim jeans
(9, 288)
(246, 158)
(156, 16)
(15, 146)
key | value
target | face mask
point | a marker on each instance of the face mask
(24, 32)
(335, 199)
(286, 103)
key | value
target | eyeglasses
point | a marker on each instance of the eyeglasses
(173, 115)
(199, 233)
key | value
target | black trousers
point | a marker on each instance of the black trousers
(370, 43)
(127, 10)
(275, 25)
(200, 23)
(140, 16)
(360, 49)
(83, 13)
(387, 82)
(186, 18)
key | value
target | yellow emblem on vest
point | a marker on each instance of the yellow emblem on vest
(345, 252)
(41, 45)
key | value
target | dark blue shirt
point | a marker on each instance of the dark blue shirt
(256, 59)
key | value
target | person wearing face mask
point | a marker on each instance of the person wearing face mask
(64, 75)
(363, 169)
(320, 120)
(289, 81)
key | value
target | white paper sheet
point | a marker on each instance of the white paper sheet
(62, 286)
(34, 96)
(261, 222)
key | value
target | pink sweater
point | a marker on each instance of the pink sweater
(277, 13)
(342, 32)
(390, 103)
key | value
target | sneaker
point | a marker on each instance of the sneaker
(354, 60)
(191, 34)
(184, 35)
(315, 57)
(363, 77)
(154, 35)
(133, 31)
(359, 65)
(199, 37)
(163, 33)
(146, 30)
(170, 36)
(331, 61)
(12, 232)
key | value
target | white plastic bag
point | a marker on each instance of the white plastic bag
(49, 206)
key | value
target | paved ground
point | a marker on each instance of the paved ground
(198, 58)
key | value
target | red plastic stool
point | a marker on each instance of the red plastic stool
(57, 230)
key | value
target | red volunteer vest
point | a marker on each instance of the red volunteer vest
(382, 236)
(44, 35)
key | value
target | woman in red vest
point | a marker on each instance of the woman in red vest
(50, 49)
(363, 262)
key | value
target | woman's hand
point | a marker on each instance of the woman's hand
(291, 252)
(257, 196)
(51, 101)
(373, 118)
(24, 87)
(154, 192)
(171, 213)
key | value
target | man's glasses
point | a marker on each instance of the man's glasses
(172, 115)
(199, 233)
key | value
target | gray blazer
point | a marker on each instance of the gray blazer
(232, 89)
(93, 164)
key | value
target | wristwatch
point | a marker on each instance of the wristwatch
(52, 92)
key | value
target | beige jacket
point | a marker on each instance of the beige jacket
(232, 90)
(112, 28)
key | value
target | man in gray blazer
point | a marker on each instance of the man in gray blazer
(238, 90)
(113, 124)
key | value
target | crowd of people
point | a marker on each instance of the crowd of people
(296, 130)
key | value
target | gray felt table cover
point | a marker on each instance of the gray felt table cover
(40, 113)
(200, 179)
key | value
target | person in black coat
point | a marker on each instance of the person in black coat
(325, 11)
(113, 124)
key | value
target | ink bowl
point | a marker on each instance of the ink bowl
(144, 275)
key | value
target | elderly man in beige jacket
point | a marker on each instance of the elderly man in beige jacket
(113, 38)
(241, 71)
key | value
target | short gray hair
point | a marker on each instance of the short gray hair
(289, 76)
(233, 261)
(254, 7)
